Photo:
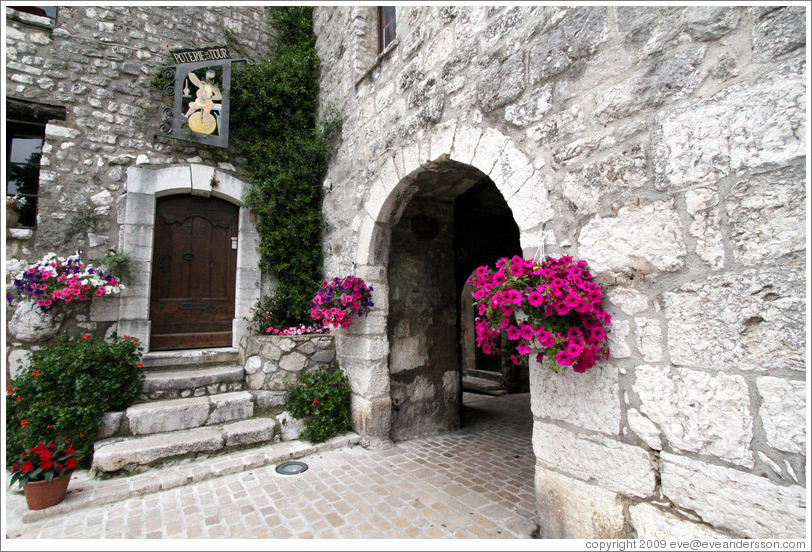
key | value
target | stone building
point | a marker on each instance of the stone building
(664, 145)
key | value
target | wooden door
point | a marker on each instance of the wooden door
(194, 270)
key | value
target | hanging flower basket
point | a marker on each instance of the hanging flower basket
(53, 280)
(338, 301)
(552, 306)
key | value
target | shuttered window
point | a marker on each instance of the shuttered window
(387, 27)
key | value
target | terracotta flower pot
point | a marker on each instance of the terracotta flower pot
(12, 217)
(44, 494)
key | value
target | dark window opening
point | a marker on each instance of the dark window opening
(23, 153)
(387, 27)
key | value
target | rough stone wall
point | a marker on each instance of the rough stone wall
(99, 63)
(664, 145)
(272, 361)
(423, 357)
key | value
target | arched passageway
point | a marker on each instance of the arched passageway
(455, 220)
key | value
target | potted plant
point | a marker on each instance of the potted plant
(60, 398)
(53, 280)
(338, 301)
(552, 306)
(43, 472)
(14, 206)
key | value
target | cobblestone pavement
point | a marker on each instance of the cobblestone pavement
(474, 483)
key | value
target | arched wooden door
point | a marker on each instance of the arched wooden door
(194, 269)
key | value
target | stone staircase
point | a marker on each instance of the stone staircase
(483, 382)
(193, 405)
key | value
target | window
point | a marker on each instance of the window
(387, 27)
(23, 153)
(42, 11)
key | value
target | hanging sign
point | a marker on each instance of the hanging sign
(201, 87)
(204, 54)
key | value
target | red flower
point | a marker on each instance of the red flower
(19, 398)
(59, 467)
(34, 373)
(27, 467)
(139, 365)
(46, 464)
(70, 463)
(24, 423)
(14, 467)
(68, 450)
(9, 389)
(81, 434)
(85, 337)
(315, 401)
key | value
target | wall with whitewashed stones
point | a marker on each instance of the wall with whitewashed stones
(664, 145)
(99, 63)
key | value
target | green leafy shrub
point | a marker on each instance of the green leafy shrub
(120, 264)
(276, 128)
(322, 399)
(68, 385)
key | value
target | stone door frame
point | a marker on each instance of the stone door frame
(137, 220)
(363, 349)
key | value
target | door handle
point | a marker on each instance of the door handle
(188, 256)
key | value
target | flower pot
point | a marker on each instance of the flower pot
(44, 494)
(12, 217)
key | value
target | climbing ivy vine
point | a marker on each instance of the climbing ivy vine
(276, 128)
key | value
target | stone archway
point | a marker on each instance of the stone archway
(365, 349)
(144, 185)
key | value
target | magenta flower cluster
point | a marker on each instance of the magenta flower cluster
(301, 329)
(552, 305)
(341, 299)
(55, 278)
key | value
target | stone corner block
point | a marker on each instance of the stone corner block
(743, 503)
(612, 465)
(572, 509)
(651, 522)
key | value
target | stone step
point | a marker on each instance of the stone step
(191, 382)
(180, 414)
(159, 360)
(483, 386)
(135, 454)
(484, 374)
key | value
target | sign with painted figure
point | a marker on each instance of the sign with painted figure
(201, 86)
(199, 115)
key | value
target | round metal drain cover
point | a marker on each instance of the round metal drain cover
(291, 468)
